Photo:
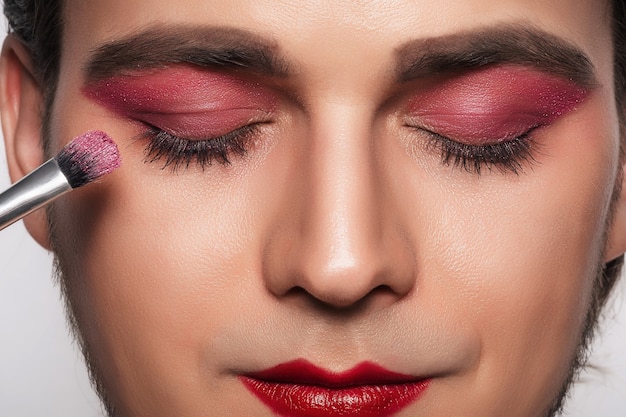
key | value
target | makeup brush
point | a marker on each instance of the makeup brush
(82, 161)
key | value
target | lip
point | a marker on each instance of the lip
(301, 389)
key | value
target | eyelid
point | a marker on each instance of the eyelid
(204, 124)
(180, 89)
(477, 130)
(493, 103)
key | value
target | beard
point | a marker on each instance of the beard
(606, 273)
(605, 279)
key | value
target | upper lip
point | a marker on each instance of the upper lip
(302, 372)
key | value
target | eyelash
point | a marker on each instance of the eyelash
(507, 156)
(180, 153)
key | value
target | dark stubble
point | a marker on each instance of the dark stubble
(605, 273)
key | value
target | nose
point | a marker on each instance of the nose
(337, 240)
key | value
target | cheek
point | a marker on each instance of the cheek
(154, 259)
(518, 255)
(148, 256)
(153, 284)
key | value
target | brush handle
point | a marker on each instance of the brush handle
(33, 191)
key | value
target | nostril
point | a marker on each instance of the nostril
(376, 298)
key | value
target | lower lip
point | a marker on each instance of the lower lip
(311, 399)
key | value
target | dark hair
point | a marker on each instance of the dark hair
(619, 54)
(39, 24)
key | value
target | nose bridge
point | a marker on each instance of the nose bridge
(341, 252)
(342, 225)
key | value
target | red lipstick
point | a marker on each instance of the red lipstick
(301, 389)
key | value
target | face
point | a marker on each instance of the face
(334, 203)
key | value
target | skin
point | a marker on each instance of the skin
(338, 238)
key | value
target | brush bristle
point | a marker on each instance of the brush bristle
(88, 157)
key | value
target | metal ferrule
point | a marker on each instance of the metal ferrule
(32, 192)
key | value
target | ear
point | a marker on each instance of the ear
(21, 102)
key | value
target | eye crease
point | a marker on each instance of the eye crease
(489, 118)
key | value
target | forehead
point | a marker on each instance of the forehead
(334, 38)
(372, 27)
(330, 20)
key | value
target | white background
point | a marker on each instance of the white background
(42, 374)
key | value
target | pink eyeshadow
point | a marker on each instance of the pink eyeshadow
(185, 100)
(494, 104)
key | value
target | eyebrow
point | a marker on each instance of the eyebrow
(160, 46)
(518, 43)
(236, 49)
